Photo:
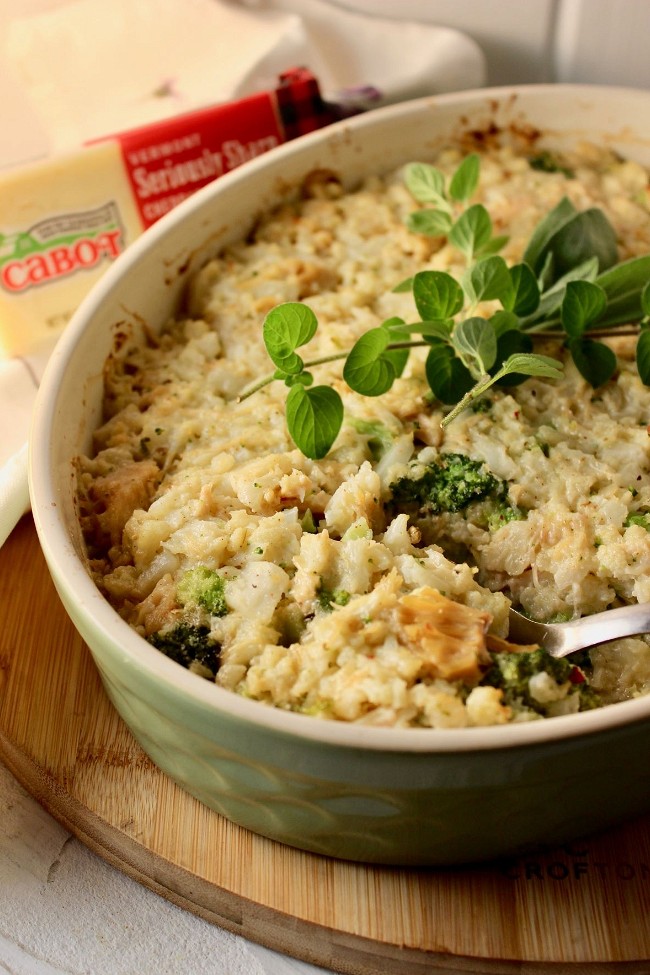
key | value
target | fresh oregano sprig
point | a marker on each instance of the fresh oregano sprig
(569, 285)
(314, 414)
(468, 229)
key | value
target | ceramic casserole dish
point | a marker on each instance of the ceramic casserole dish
(376, 794)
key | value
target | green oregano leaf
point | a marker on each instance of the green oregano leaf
(493, 245)
(595, 361)
(392, 324)
(546, 275)
(314, 418)
(535, 253)
(566, 238)
(431, 223)
(425, 183)
(448, 378)
(583, 304)
(289, 365)
(371, 368)
(624, 285)
(286, 328)
(437, 295)
(524, 297)
(472, 230)
(504, 321)
(643, 356)
(465, 179)
(489, 280)
(397, 357)
(551, 299)
(476, 342)
(509, 343)
(588, 234)
(645, 300)
(438, 329)
(403, 286)
(304, 378)
(532, 364)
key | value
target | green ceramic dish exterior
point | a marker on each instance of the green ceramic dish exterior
(395, 807)
(394, 796)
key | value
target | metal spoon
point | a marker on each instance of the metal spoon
(561, 639)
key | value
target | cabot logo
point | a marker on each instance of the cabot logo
(59, 246)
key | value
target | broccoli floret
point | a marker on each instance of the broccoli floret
(328, 598)
(511, 672)
(501, 513)
(448, 486)
(205, 588)
(188, 644)
(638, 518)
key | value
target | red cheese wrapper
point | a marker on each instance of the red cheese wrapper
(167, 161)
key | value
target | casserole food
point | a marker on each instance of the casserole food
(352, 586)
(326, 781)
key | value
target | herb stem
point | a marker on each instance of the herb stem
(254, 388)
(589, 333)
(268, 379)
(407, 345)
(484, 383)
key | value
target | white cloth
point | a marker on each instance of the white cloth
(156, 58)
(19, 380)
(86, 68)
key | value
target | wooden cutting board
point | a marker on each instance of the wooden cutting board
(580, 909)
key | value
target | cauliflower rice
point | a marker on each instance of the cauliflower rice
(305, 584)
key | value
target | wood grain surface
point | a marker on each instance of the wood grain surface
(578, 909)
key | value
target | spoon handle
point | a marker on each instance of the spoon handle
(599, 628)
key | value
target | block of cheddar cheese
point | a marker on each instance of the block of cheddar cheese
(64, 220)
